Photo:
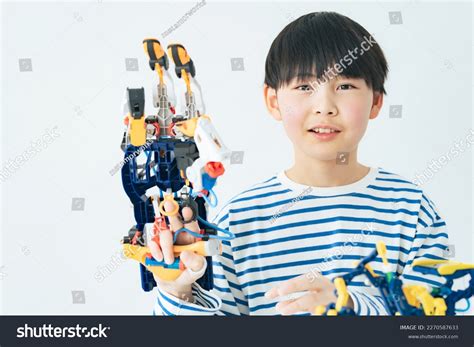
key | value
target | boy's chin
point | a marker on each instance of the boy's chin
(332, 155)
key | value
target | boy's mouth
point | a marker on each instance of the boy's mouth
(325, 129)
(325, 132)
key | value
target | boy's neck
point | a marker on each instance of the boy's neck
(326, 173)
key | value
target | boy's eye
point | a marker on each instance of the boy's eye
(304, 87)
(346, 86)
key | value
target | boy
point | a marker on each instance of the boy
(324, 80)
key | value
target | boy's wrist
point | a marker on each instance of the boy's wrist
(182, 292)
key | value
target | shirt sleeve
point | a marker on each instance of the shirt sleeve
(225, 299)
(429, 242)
(367, 301)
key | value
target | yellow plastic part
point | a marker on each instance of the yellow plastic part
(159, 53)
(382, 252)
(139, 254)
(175, 210)
(332, 312)
(444, 267)
(440, 307)
(159, 70)
(342, 294)
(369, 268)
(184, 59)
(187, 81)
(419, 296)
(188, 127)
(137, 130)
(182, 54)
(319, 310)
(410, 296)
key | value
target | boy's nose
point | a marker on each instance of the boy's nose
(324, 109)
(322, 102)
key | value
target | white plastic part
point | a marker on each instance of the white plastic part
(148, 232)
(194, 175)
(211, 148)
(209, 143)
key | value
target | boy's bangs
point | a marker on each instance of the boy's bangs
(306, 57)
(309, 48)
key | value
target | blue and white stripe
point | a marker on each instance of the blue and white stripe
(284, 230)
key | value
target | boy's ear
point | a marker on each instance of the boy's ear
(376, 105)
(271, 101)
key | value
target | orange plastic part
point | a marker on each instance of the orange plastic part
(214, 169)
(181, 266)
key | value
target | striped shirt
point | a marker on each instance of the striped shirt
(284, 229)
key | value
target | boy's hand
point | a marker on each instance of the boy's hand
(319, 290)
(195, 264)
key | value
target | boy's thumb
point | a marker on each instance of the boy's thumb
(195, 267)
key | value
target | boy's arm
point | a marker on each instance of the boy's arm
(226, 298)
(430, 242)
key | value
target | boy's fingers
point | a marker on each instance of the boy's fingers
(297, 284)
(192, 261)
(272, 293)
(187, 214)
(166, 244)
(174, 221)
(184, 237)
(155, 250)
(195, 267)
(306, 303)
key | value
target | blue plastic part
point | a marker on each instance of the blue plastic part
(208, 182)
(147, 279)
(153, 262)
(165, 175)
(465, 309)
(392, 292)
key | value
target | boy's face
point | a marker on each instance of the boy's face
(345, 104)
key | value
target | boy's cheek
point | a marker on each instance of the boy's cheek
(293, 126)
(356, 119)
(292, 111)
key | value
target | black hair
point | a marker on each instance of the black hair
(315, 42)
